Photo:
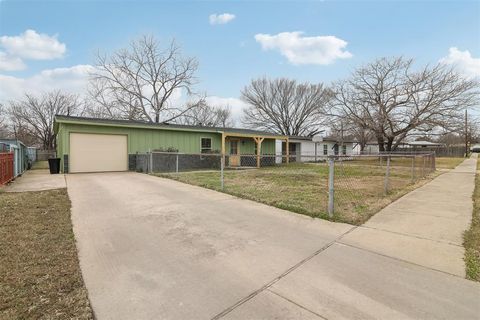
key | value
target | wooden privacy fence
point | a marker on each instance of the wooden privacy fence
(43, 155)
(6, 167)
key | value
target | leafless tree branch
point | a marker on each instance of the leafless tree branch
(285, 106)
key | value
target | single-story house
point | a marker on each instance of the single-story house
(95, 145)
(20, 158)
(371, 147)
(316, 148)
(424, 144)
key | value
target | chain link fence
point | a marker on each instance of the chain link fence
(340, 188)
(361, 185)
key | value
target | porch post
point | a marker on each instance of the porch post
(258, 141)
(223, 144)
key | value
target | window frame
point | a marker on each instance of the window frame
(325, 149)
(201, 145)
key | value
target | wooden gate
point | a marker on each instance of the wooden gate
(6, 167)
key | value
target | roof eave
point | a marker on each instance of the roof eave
(57, 121)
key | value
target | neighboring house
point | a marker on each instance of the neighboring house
(32, 154)
(336, 146)
(92, 145)
(20, 158)
(423, 144)
(371, 147)
(316, 148)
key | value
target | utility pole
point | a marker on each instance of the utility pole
(466, 133)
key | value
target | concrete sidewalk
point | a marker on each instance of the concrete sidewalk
(37, 180)
(426, 226)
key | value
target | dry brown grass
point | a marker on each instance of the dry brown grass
(448, 163)
(303, 187)
(39, 271)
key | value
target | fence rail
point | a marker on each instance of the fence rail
(6, 167)
(341, 187)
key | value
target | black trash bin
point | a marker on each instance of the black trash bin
(54, 165)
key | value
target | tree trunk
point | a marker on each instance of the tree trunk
(389, 144)
(381, 144)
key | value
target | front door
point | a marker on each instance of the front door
(234, 153)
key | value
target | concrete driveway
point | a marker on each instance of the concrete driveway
(153, 248)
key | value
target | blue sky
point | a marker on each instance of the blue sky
(229, 55)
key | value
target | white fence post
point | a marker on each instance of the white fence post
(331, 187)
(222, 165)
(150, 161)
(413, 168)
(423, 167)
(176, 163)
(387, 175)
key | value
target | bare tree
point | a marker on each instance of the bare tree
(351, 130)
(141, 81)
(32, 117)
(285, 106)
(393, 101)
(3, 122)
(207, 115)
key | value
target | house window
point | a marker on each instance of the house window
(325, 150)
(344, 149)
(206, 145)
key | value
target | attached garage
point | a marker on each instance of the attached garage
(98, 152)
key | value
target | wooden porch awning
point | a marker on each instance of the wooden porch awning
(258, 141)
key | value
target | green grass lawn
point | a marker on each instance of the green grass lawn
(303, 187)
(39, 271)
(472, 236)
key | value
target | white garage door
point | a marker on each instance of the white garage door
(98, 152)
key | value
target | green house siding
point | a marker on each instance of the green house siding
(142, 140)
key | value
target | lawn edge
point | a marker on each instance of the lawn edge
(471, 237)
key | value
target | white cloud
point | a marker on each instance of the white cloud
(10, 63)
(33, 45)
(299, 49)
(235, 104)
(221, 18)
(464, 61)
(73, 79)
